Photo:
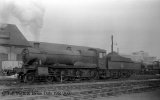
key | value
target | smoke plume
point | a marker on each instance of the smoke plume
(29, 13)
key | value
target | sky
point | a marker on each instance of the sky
(135, 24)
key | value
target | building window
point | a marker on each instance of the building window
(3, 56)
(102, 55)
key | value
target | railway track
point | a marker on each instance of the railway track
(79, 91)
(15, 82)
(115, 89)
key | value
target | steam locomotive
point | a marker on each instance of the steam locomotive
(72, 63)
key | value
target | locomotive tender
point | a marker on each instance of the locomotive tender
(71, 63)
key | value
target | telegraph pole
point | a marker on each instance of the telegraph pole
(118, 50)
(112, 44)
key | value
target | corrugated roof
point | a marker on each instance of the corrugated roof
(13, 36)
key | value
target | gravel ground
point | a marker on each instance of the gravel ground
(152, 95)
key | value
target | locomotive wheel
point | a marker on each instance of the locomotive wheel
(78, 74)
(29, 78)
(64, 76)
(114, 75)
(61, 76)
(128, 75)
(94, 75)
(124, 74)
(49, 79)
(57, 75)
(72, 78)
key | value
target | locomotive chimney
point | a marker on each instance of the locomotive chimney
(36, 44)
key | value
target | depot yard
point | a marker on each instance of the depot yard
(77, 91)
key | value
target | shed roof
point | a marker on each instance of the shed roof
(12, 36)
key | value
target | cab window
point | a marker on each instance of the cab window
(101, 55)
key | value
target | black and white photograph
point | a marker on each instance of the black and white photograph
(79, 49)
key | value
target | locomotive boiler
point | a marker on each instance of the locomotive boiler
(66, 57)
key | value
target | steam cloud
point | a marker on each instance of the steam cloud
(29, 13)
